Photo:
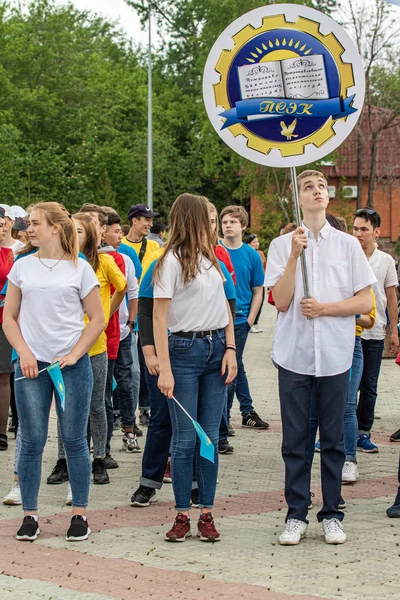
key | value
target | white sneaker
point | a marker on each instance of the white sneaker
(333, 531)
(256, 329)
(68, 500)
(295, 530)
(130, 443)
(350, 472)
(13, 498)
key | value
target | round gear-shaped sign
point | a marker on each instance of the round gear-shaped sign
(284, 85)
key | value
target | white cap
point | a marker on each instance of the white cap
(19, 211)
(8, 211)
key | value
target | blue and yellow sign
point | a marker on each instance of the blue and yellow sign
(284, 85)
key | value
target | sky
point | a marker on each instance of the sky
(114, 10)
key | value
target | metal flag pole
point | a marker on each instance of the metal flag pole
(150, 123)
(293, 176)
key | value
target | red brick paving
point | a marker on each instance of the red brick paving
(252, 503)
(122, 578)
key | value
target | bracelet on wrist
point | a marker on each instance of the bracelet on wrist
(230, 348)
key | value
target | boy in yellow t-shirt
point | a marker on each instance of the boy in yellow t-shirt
(140, 219)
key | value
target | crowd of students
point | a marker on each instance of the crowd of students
(155, 324)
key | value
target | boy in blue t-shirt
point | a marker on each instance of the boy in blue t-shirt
(249, 283)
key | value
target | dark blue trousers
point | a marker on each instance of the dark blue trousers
(295, 392)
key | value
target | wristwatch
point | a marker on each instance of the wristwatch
(131, 323)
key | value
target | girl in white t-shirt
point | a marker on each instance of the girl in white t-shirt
(197, 360)
(48, 293)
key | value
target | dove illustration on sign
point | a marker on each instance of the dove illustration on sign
(287, 130)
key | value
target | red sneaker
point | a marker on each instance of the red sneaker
(180, 529)
(167, 475)
(206, 529)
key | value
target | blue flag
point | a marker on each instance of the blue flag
(207, 449)
(54, 371)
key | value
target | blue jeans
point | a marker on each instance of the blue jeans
(108, 401)
(158, 440)
(199, 387)
(295, 393)
(124, 392)
(135, 371)
(240, 385)
(372, 351)
(33, 399)
(350, 415)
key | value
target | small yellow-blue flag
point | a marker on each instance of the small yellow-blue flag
(55, 373)
(207, 449)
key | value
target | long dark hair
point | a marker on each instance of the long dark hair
(190, 237)
(90, 247)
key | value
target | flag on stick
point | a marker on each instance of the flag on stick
(54, 370)
(207, 449)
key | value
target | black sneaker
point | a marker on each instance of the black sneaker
(79, 529)
(394, 511)
(59, 474)
(100, 475)
(253, 421)
(136, 430)
(194, 497)
(3, 441)
(144, 496)
(395, 437)
(144, 418)
(224, 447)
(342, 503)
(110, 462)
(29, 530)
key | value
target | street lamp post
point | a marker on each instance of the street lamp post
(150, 123)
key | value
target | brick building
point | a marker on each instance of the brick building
(342, 175)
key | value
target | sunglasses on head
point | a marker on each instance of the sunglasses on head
(369, 211)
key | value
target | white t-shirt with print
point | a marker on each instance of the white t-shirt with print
(51, 313)
(384, 269)
(197, 306)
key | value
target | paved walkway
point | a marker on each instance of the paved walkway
(127, 558)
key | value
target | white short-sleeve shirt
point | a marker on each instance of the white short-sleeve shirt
(197, 306)
(384, 268)
(337, 269)
(51, 313)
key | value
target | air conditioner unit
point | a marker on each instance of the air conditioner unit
(332, 191)
(350, 191)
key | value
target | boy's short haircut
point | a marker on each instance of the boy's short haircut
(108, 210)
(237, 212)
(309, 173)
(158, 227)
(95, 208)
(113, 218)
(369, 214)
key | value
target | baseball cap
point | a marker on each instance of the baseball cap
(8, 211)
(19, 211)
(141, 210)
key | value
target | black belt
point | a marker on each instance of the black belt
(196, 334)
